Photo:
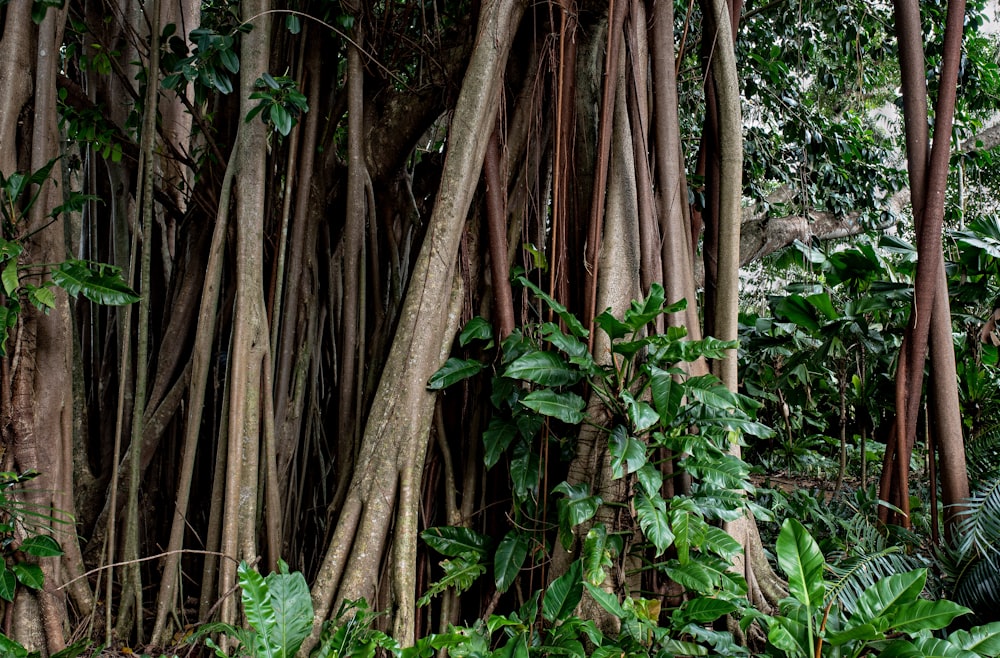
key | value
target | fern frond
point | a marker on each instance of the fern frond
(855, 574)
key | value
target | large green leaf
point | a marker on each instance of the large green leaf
(567, 407)
(496, 438)
(8, 583)
(704, 610)
(98, 283)
(723, 472)
(789, 635)
(9, 278)
(475, 329)
(640, 414)
(924, 614)
(596, 555)
(667, 394)
(293, 611)
(628, 454)
(509, 559)
(983, 640)
(563, 594)
(29, 575)
(453, 371)
(606, 600)
(9, 647)
(544, 368)
(802, 561)
(41, 546)
(453, 540)
(259, 609)
(572, 322)
(652, 513)
(889, 593)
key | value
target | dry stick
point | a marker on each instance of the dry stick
(201, 360)
(109, 567)
(617, 13)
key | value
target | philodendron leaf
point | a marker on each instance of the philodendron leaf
(29, 575)
(453, 540)
(293, 611)
(476, 329)
(97, 283)
(41, 546)
(9, 278)
(8, 583)
(496, 438)
(259, 609)
(923, 614)
(596, 555)
(576, 507)
(567, 407)
(563, 594)
(640, 414)
(888, 593)
(982, 640)
(652, 513)
(509, 559)
(453, 371)
(802, 561)
(544, 368)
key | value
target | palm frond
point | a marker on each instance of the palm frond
(978, 526)
(855, 574)
(982, 455)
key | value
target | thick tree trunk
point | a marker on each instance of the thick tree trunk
(385, 487)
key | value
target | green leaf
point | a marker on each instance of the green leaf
(8, 583)
(293, 611)
(9, 647)
(923, 614)
(802, 561)
(641, 313)
(100, 284)
(652, 513)
(641, 415)
(29, 575)
(596, 555)
(667, 394)
(569, 345)
(704, 610)
(453, 371)
(932, 647)
(606, 600)
(563, 594)
(498, 435)
(230, 60)
(628, 454)
(292, 24)
(567, 407)
(575, 508)
(650, 479)
(9, 249)
(612, 326)
(453, 540)
(9, 278)
(888, 593)
(42, 298)
(41, 546)
(544, 368)
(983, 640)
(509, 559)
(475, 329)
(259, 609)
(281, 118)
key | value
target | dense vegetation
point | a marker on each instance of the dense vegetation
(635, 328)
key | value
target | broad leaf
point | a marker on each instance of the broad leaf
(932, 647)
(571, 321)
(596, 555)
(293, 611)
(704, 610)
(8, 583)
(628, 454)
(544, 368)
(509, 559)
(641, 415)
(563, 594)
(496, 438)
(889, 593)
(612, 326)
(567, 407)
(983, 640)
(606, 600)
(923, 614)
(453, 371)
(29, 575)
(475, 329)
(652, 513)
(41, 546)
(453, 540)
(650, 479)
(667, 394)
(9, 278)
(802, 561)
(100, 284)
(259, 609)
